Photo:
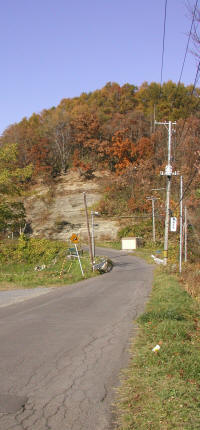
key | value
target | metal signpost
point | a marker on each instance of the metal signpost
(74, 239)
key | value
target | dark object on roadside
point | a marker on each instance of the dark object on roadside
(104, 266)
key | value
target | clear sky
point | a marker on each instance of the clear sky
(55, 49)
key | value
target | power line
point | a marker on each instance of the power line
(191, 94)
(185, 55)
(163, 44)
(196, 78)
(186, 188)
(189, 36)
(198, 67)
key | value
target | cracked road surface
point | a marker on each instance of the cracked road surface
(63, 351)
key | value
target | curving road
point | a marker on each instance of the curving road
(61, 353)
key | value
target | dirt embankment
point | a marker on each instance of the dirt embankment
(58, 210)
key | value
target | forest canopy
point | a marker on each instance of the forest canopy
(113, 128)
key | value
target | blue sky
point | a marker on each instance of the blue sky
(54, 49)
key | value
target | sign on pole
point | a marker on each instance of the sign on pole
(74, 238)
(173, 223)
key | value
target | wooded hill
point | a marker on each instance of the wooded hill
(110, 128)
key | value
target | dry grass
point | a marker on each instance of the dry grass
(190, 277)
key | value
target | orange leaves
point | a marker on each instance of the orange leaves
(139, 203)
(39, 156)
(118, 151)
(143, 149)
(85, 130)
(122, 153)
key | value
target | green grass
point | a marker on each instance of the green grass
(161, 391)
(20, 257)
(22, 275)
(116, 244)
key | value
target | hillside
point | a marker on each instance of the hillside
(112, 130)
(56, 211)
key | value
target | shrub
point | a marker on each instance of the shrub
(31, 250)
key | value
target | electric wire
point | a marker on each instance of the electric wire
(185, 55)
(183, 64)
(163, 45)
(186, 188)
(185, 120)
(188, 42)
(184, 59)
(197, 71)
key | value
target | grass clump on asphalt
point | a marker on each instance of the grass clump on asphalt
(161, 390)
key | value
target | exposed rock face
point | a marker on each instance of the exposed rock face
(58, 211)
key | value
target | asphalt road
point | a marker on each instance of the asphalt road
(61, 353)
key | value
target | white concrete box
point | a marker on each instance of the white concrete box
(129, 243)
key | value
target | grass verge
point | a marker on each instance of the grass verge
(20, 258)
(161, 390)
(63, 272)
(115, 244)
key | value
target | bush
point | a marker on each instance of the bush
(31, 250)
(141, 229)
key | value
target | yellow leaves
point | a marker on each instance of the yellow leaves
(11, 176)
(8, 154)
(23, 174)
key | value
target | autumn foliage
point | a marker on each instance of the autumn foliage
(113, 128)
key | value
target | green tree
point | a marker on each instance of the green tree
(12, 180)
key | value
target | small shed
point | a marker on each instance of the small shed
(130, 243)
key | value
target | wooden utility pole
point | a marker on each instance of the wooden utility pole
(88, 229)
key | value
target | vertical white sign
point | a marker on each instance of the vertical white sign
(173, 223)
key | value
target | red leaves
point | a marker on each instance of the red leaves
(39, 156)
